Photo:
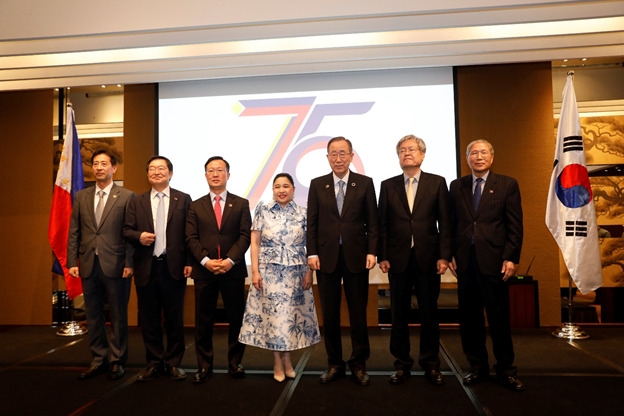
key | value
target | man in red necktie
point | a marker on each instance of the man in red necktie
(218, 235)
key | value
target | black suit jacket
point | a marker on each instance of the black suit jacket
(358, 224)
(139, 218)
(114, 253)
(496, 226)
(428, 224)
(203, 237)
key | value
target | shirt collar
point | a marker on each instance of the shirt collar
(416, 177)
(166, 191)
(106, 190)
(276, 205)
(223, 195)
(484, 177)
(337, 179)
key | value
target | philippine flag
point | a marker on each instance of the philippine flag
(570, 213)
(69, 180)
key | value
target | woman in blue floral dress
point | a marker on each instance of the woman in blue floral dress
(280, 313)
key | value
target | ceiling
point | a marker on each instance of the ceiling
(44, 46)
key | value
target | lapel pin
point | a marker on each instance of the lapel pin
(491, 191)
(114, 196)
(352, 183)
(326, 186)
(230, 205)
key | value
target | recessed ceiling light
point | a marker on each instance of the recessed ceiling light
(584, 59)
(103, 86)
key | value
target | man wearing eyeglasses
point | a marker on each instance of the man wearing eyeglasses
(486, 217)
(155, 225)
(218, 235)
(342, 244)
(414, 249)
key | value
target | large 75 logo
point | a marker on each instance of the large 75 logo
(300, 138)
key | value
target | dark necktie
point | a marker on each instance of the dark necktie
(476, 196)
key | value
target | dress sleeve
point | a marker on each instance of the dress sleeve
(258, 219)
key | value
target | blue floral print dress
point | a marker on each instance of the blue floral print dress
(281, 316)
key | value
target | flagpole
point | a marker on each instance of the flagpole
(569, 330)
(72, 327)
(570, 214)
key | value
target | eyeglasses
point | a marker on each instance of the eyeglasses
(404, 150)
(483, 153)
(159, 169)
(341, 155)
(220, 171)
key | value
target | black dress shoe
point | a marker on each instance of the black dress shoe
(238, 372)
(177, 374)
(93, 371)
(147, 374)
(202, 375)
(332, 374)
(399, 376)
(360, 377)
(511, 382)
(116, 372)
(474, 377)
(434, 377)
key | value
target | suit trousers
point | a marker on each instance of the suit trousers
(477, 291)
(427, 289)
(97, 289)
(356, 293)
(206, 295)
(161, 303)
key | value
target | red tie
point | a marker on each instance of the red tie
(217, 211)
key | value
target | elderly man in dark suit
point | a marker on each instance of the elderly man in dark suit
(415, 249)
(486, 215)
(98, 252)
(218, 230)
(155, 225)
(342, 244)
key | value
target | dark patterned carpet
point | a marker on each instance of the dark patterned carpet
(38, 376)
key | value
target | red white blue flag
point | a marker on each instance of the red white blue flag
(69, 180)
(570, 212)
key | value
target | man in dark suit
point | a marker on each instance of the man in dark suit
(218, 235)
(415, 249)
(341, 245)
(97, 251)
(155, 225)
(486, 216)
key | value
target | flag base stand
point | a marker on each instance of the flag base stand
(570, 331)
(71, 329)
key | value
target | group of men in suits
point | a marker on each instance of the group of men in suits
(161, 238)
(418, 231)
